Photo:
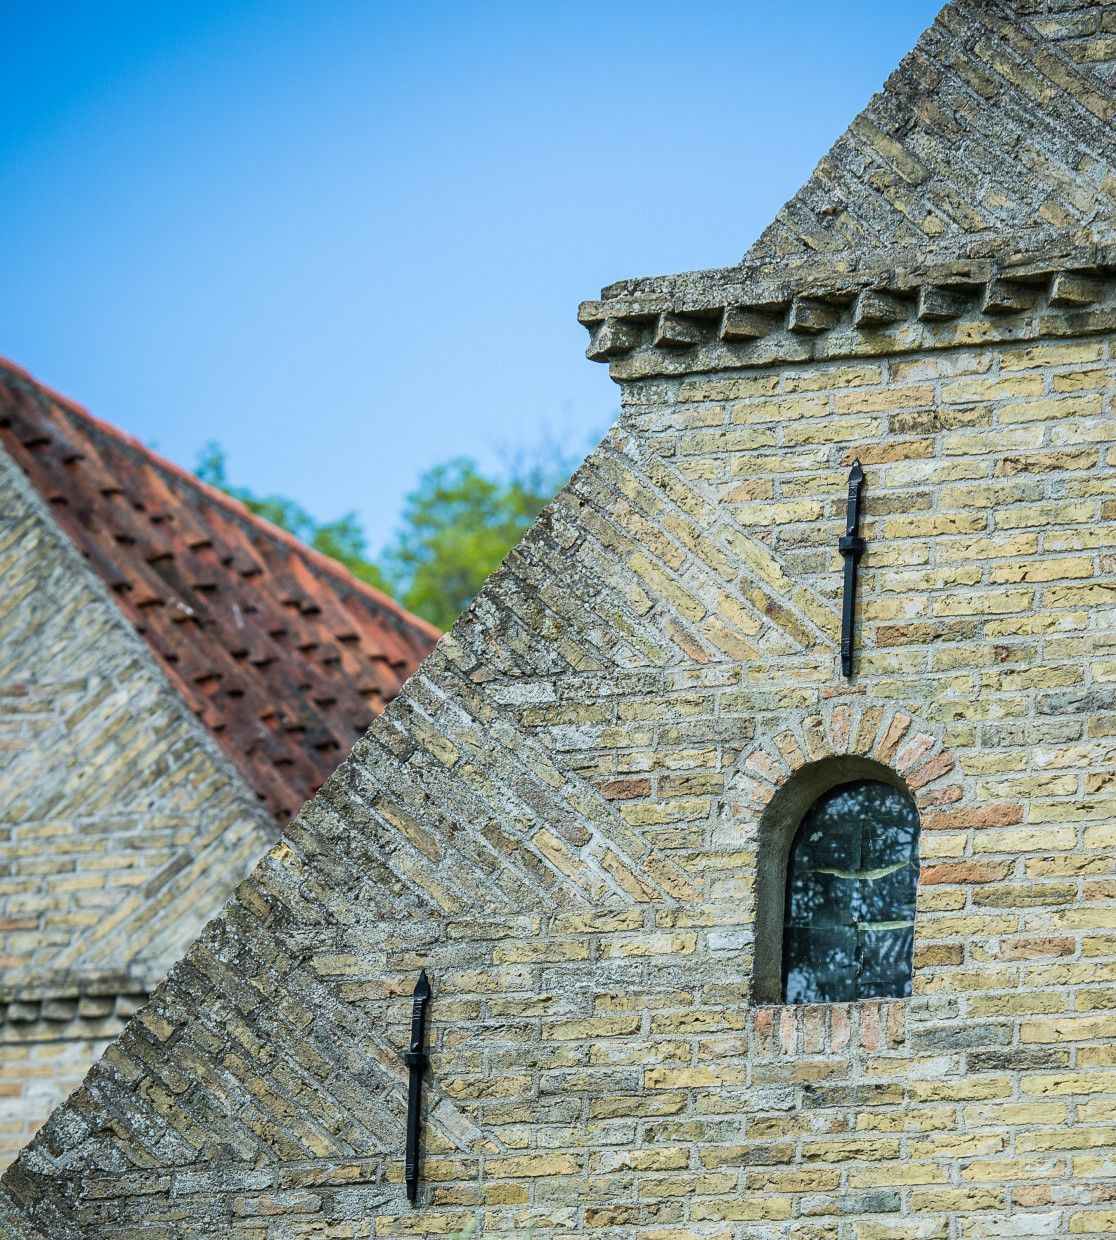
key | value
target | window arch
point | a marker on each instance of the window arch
(783, 816)
(848, 912)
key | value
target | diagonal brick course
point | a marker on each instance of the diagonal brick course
(574, 816)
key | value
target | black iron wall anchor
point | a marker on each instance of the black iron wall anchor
(851, 547)
(416, 1061)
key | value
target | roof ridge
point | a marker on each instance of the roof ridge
(317, 559)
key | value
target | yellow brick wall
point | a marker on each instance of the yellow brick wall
(122, 827)
(560, 820)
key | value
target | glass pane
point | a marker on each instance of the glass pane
(885, 963)
(817, 898)
(826, 972)
(851, 880)
(890, 825)
(890, 897)
(829, 837)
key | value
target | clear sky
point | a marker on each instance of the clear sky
(347, 240)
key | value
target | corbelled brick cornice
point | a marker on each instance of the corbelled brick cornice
(760, 316)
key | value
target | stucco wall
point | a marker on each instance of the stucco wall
(560, 819)
(122, 828)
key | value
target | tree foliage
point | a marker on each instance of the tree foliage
(457, 525)
(342, 539)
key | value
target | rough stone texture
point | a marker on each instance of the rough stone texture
(122, 827)
(992, 143)
(1085, 31)
(560, 818)
(998, 124)
(13, 1225)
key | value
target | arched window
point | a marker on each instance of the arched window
(852, 871)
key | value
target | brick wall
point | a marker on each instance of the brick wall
(560, 818)
(122, 829)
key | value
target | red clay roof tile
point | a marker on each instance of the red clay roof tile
(282, 653)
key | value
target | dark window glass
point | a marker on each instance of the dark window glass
(851, 878)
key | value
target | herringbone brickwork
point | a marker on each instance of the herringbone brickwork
(996, 125)
(560, 820)
(122, 828)
(573, 815)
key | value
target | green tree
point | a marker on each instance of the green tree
(341, 539)
(458, 524)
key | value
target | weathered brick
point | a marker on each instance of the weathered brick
(576, 817)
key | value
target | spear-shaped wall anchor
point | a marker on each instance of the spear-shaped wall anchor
(851, 547)
(416, 1062)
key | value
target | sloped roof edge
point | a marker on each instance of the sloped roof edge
(283, 654)
(230, 503)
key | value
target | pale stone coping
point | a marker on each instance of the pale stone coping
(1021, 257)
(766, 322)
(61, 1014)
(61, 997)
(35, 985)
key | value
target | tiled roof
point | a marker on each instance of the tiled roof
(283, 655)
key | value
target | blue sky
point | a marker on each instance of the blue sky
(347, 240)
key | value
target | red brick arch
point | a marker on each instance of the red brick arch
(887, 735)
